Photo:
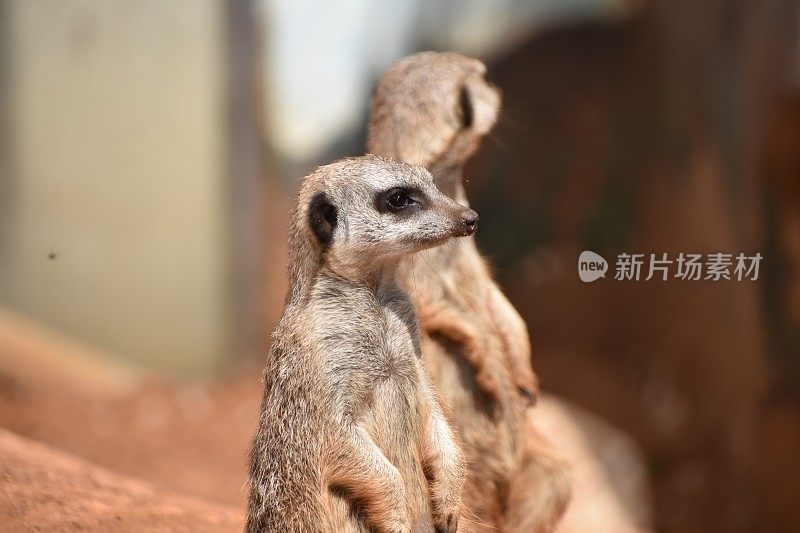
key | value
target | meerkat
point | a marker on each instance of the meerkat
(351, 436)
(433, 109)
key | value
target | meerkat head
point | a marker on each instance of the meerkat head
(432, 109)
(362, 212)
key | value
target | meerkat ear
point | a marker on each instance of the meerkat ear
(465, 107)
(322, 217)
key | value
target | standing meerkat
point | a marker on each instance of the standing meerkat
(351, 436)
(433, 109)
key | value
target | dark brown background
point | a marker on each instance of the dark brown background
(677, 131)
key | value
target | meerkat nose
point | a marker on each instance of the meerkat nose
(470, 220)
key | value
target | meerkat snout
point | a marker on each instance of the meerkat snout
(447, 219)
(469, 221)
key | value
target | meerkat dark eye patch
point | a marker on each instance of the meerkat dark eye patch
(322, 217)
(465, 107)
(399, 200)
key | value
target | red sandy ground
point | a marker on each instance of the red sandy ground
(94, 449)
(46, 490)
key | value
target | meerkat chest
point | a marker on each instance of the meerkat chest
(367, 338)
(401, 344)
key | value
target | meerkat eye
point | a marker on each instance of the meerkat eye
(397, 200)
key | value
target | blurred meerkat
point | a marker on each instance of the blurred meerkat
(351, 436)
(433, 109)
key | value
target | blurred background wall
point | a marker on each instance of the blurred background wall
(151, 150)
(116, 215)
(133, 140)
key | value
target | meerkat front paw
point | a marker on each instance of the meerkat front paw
(446, 508)
(447, 524)
(446, 472)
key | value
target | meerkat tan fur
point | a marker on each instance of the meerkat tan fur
(351, 436)
(432, 109)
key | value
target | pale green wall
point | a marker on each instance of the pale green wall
(117, 146)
